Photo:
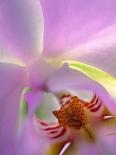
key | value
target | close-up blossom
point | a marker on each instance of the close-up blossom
(57, 77)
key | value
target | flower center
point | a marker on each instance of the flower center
(71, 114)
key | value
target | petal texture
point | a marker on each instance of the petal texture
(39, 72)
(32, 142)
(99, 52)
(85, 31)
(30, 137)
(11, 82)
(85, 148)
(107, 136)
(69, 24)
(38, 132)
(21, 30)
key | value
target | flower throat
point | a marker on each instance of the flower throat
(71, 114)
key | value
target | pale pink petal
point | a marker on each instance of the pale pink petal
(99, 52)
(30, 137)
(69, 24)
(12, 82)
(36, 133)
(33, 98)
(67, 79)
(32, 142)
(106, 135)
(85, 31)
(87, 148)
(39, 72)
(21, 30)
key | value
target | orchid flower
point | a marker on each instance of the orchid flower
(57, 77)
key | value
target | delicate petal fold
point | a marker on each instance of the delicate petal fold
(99, 52)
(85, 148)
(67, 79)
(33, 99)
(69, 24)
(21, 30)
(39, 72)
(39, 133)
(34, 141)
(40, 103)
(85, 31)
(31, 141)
(47, 106)
(106, 135)
(12, 81)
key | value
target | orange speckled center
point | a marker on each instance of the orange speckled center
(72, 114)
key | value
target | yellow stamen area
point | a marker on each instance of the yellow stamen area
(72, 114)
(55, 149)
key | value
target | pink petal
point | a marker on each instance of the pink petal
(85, 31)
(39, 72)
(87, 148)
(32, 142)
(69, 24)
(105, 139)
(36, 133)
(106, 135)
(67, 79)
(33, 99)
(99, 52)
(21, 30)
(29, 142)
(12, 82)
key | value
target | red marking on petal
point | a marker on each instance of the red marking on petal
(61, 102)
(93, 104)
(51, 128)
(64, 96)
(52, 132)
(93, 98)
(64, 99)
(87, 104)
(43, 123)
(60, 134)
(97, 108)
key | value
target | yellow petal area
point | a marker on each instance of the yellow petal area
(96, 74)
(109, 122)
(70, 150)
(55, 148)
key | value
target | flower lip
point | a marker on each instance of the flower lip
(76, 113)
